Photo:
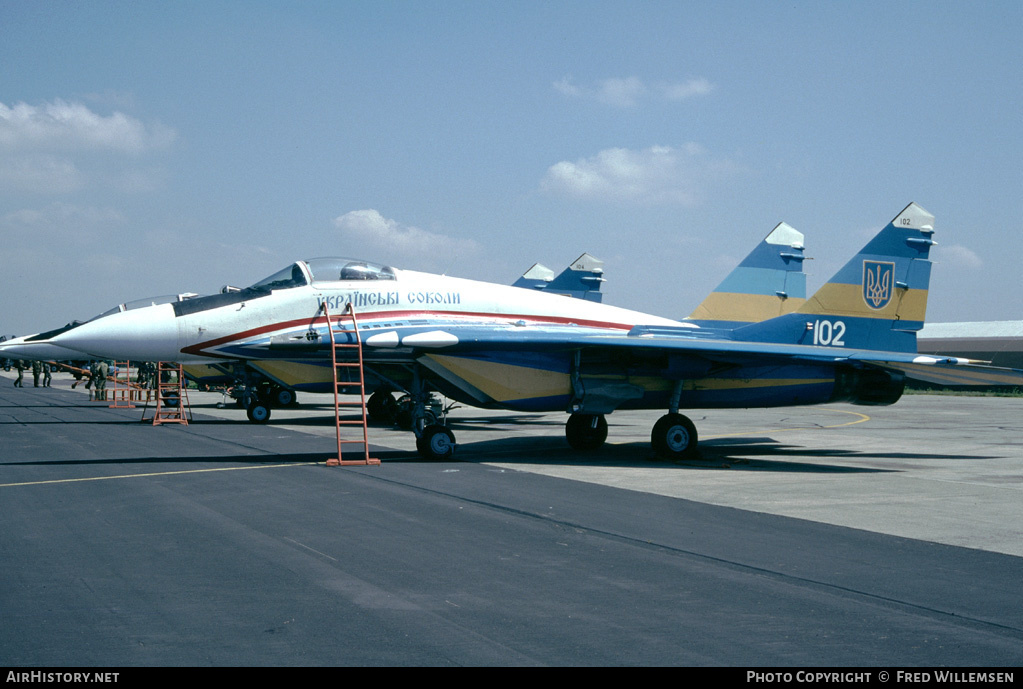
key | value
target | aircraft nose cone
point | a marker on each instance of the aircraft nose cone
(23, 348)
(147, 334)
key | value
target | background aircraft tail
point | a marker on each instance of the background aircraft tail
(581, 279)
(537, 277)
(876, 301)
(769, 282)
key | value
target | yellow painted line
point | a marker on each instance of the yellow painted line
(158, 473)
(861, 419)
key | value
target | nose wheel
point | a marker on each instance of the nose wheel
(436, 442)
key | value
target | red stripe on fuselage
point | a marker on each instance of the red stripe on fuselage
(197, 349)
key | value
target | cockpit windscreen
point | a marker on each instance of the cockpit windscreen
(292, 276)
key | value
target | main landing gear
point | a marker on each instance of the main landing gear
(259, 398)
(673, 436)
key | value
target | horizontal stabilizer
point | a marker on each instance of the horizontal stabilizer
(953, 371)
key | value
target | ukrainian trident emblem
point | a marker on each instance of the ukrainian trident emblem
(878, 281)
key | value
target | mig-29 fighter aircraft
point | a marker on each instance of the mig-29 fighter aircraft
(498, 346)
(767, 283)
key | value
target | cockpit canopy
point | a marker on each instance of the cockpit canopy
(298, 274)
(324, 270)
(143, 303)
(340, 269)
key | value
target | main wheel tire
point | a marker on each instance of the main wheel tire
(258, 412)
(586, 431)
(283, 397)
(674, 437)
(382, 406)
(403, 412)
(437, 442)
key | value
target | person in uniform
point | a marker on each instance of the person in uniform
(46, 374)
(37, 368)
(20, 365)
(102, 370)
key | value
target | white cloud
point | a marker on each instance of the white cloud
(368, 234)
(47, 146)
(74, 225)
(629, 91)
(40, 173)
(686, 89)
(62, 126)
(957, 256)
(567, 88)
(621, 93)
(655, 175)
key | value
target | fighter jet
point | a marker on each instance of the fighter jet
(497, 346)
(768, 282)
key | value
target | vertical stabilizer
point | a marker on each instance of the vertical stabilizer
(581, 279)
(537, 277)
(878, 300)
(769, 282)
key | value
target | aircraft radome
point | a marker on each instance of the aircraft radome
(40, 347)
(500, 346)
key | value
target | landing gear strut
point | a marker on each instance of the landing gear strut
(419, 409)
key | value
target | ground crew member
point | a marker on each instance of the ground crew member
(37, 368)
(46, 374)
(102, 369)
(20, 365)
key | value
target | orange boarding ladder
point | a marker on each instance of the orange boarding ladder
(122, 393)
(353, 374)
(171, 396)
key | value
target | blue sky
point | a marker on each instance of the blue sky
(151, 148)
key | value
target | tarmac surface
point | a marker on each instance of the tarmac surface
(827, 536)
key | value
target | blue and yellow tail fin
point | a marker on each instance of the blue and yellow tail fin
(769, 282)
(876, 301)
